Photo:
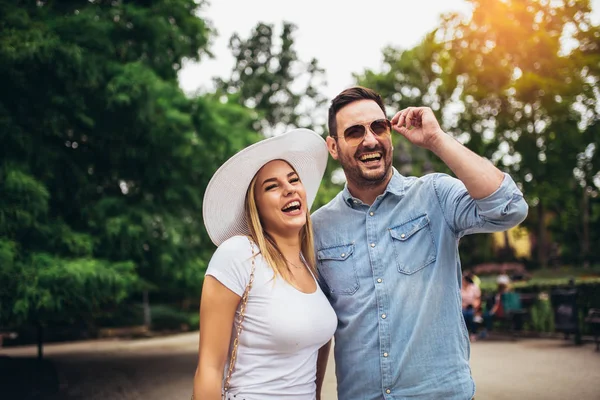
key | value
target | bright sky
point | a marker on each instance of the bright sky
(344, 36)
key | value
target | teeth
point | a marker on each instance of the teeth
(295, 203)
(370, 156)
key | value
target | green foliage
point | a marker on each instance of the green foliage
(283, 90)
(169, 318)
(504, 84)
(272, 80)
(541, 317)
(104, 160)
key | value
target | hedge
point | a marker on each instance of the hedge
(541, 313)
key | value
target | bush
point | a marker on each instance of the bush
(127, 314)
(166, 317)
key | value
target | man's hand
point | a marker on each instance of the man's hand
(419, 126)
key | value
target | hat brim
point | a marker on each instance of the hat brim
(223, 205)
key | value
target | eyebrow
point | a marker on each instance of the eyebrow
(275, 179)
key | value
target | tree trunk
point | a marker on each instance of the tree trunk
(40, 341)
(541, 239)
(147, 316)
(585, 245)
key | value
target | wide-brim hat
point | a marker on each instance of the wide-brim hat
(223, 206)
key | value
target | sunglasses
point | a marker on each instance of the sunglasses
(355, 134)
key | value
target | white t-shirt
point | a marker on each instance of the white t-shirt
(281, 333)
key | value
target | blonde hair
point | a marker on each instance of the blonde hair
(267, 245)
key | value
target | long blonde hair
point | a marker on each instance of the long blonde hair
(267, 245)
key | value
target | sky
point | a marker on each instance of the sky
(344, 36)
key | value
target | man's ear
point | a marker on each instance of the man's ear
(332, 147)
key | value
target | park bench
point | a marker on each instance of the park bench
(593, 319)
(514, 312)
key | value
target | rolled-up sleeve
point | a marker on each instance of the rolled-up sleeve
(497, 212)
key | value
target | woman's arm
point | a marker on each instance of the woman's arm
(217, 310)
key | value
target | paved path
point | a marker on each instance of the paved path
(162, 369)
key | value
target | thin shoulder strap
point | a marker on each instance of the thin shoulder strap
(240, 320)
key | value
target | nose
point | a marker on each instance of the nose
(288, 189)
(370, 140)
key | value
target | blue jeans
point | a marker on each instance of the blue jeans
(469, 316)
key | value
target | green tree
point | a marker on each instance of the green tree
(284, 91)
(103, 161)
(508, 85)
(269, 77)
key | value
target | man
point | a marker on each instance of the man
(387, 250)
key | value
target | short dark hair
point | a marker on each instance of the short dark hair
(346, 97)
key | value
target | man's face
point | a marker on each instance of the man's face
(369, 163)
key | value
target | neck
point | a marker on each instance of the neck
(368, 193)
(289, 245)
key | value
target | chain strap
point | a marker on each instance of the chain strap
(240, 320)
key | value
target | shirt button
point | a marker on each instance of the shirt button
(385, 354)
(343, 254)
(403, 236)
(388, 391)
(372, 244)
(383, 316)
(379, 280)
(371, 213)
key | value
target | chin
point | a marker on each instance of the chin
(376, 175)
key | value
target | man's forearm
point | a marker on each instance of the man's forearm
(479, 175)
(322, 360)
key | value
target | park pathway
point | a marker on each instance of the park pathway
(162, 369)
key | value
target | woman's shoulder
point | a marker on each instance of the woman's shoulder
(236, 248)
(235, 242)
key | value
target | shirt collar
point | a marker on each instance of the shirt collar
(395, 187)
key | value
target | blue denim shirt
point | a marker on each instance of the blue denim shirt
(392, 274)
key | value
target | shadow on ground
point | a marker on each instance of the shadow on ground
(28, 379)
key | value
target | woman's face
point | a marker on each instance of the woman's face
(280, 198)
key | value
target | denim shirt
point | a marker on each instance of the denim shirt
(392, 274)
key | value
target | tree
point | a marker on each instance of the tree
(510, 90)
(269, 78)
(104, 160)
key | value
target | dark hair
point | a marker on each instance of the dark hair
(346, 97)
(469, 277)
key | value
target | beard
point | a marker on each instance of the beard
(361, 176)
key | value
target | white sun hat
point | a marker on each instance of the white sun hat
(223, 206)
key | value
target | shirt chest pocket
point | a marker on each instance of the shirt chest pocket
(337, 266)
(413, 245)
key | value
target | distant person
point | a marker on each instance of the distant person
(471, 302)
(263, 317)
(493, 308)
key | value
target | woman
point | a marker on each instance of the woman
(261, 281)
